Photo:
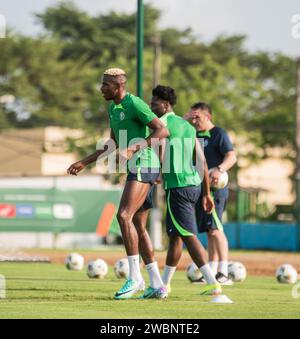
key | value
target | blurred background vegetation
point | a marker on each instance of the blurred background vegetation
(55, 77)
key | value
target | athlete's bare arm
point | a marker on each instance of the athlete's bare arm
(159, 131)
(78, 166)
(201, 165)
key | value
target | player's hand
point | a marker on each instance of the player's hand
(208, 204)
(214, 176)
(159, 180)
(125, 155)
(188, 116)
(76, 168)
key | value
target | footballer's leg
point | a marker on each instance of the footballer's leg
(133, 197)
(213, 254)
(174, 250)
(157, 288)
(181, 219)
(203, 224)
(221, 250)
(173, 256)
(145, 245)
(219, 241)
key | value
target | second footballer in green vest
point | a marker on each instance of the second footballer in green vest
(182, 182)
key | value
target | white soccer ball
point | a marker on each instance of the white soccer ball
(222, 182)
(193, 273)
(121, 268)
(97, 269)
(237, 271)
(74, 262)
(286, 274)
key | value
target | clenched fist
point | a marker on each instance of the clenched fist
(76, 168)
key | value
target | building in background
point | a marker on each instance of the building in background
(40, 206)
(36, 152)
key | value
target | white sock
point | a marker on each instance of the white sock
(134, 268)
(154, 275)
(168, 274)
(214, 267)
(223, 267)
(208, 274)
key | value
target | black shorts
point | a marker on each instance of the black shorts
(181, 217)
(212, 221)
(143, 176)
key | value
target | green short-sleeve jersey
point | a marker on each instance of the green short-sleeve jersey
(130, 119)
(178, 165)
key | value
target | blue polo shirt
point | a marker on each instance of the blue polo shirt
(216, 145)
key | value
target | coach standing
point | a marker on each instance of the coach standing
(220, 157)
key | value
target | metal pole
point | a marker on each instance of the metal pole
(239, 216)
(157, 60)
(140, 48)
(156, 233)
(297, 178)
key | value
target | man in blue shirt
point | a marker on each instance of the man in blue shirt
(220, 157)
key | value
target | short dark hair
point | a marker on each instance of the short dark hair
(165, 93)
(202, 106)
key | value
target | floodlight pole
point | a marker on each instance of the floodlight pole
(140, 48)
(157, 60)
(297, 178)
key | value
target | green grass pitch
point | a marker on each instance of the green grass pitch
(50, 291)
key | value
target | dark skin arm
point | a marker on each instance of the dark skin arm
(162, 149)
(159, 131)
(77, 167)
(208, 202)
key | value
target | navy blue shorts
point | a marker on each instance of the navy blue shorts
(212, 221)
(143, 176)
(181, 216)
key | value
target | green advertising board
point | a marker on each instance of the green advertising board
(54, 210)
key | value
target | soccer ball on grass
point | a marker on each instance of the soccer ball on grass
(121, 268)
(74, 262)
(237, 272)
(97, 269)
(286, 274)
(193, 273)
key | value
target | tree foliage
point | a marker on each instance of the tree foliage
(54, 76)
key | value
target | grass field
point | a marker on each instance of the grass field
(50, 291)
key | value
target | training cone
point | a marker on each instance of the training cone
(221, 299)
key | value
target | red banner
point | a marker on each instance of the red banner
(7, 211)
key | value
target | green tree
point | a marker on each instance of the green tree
(47, 90)
(100, 39)
(54, 77)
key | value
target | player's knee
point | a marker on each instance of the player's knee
(124, 216)
(175, 240)
(213, 233)
(175, 243)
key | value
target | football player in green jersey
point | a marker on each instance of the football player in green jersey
(130, 117)
(182, 182)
